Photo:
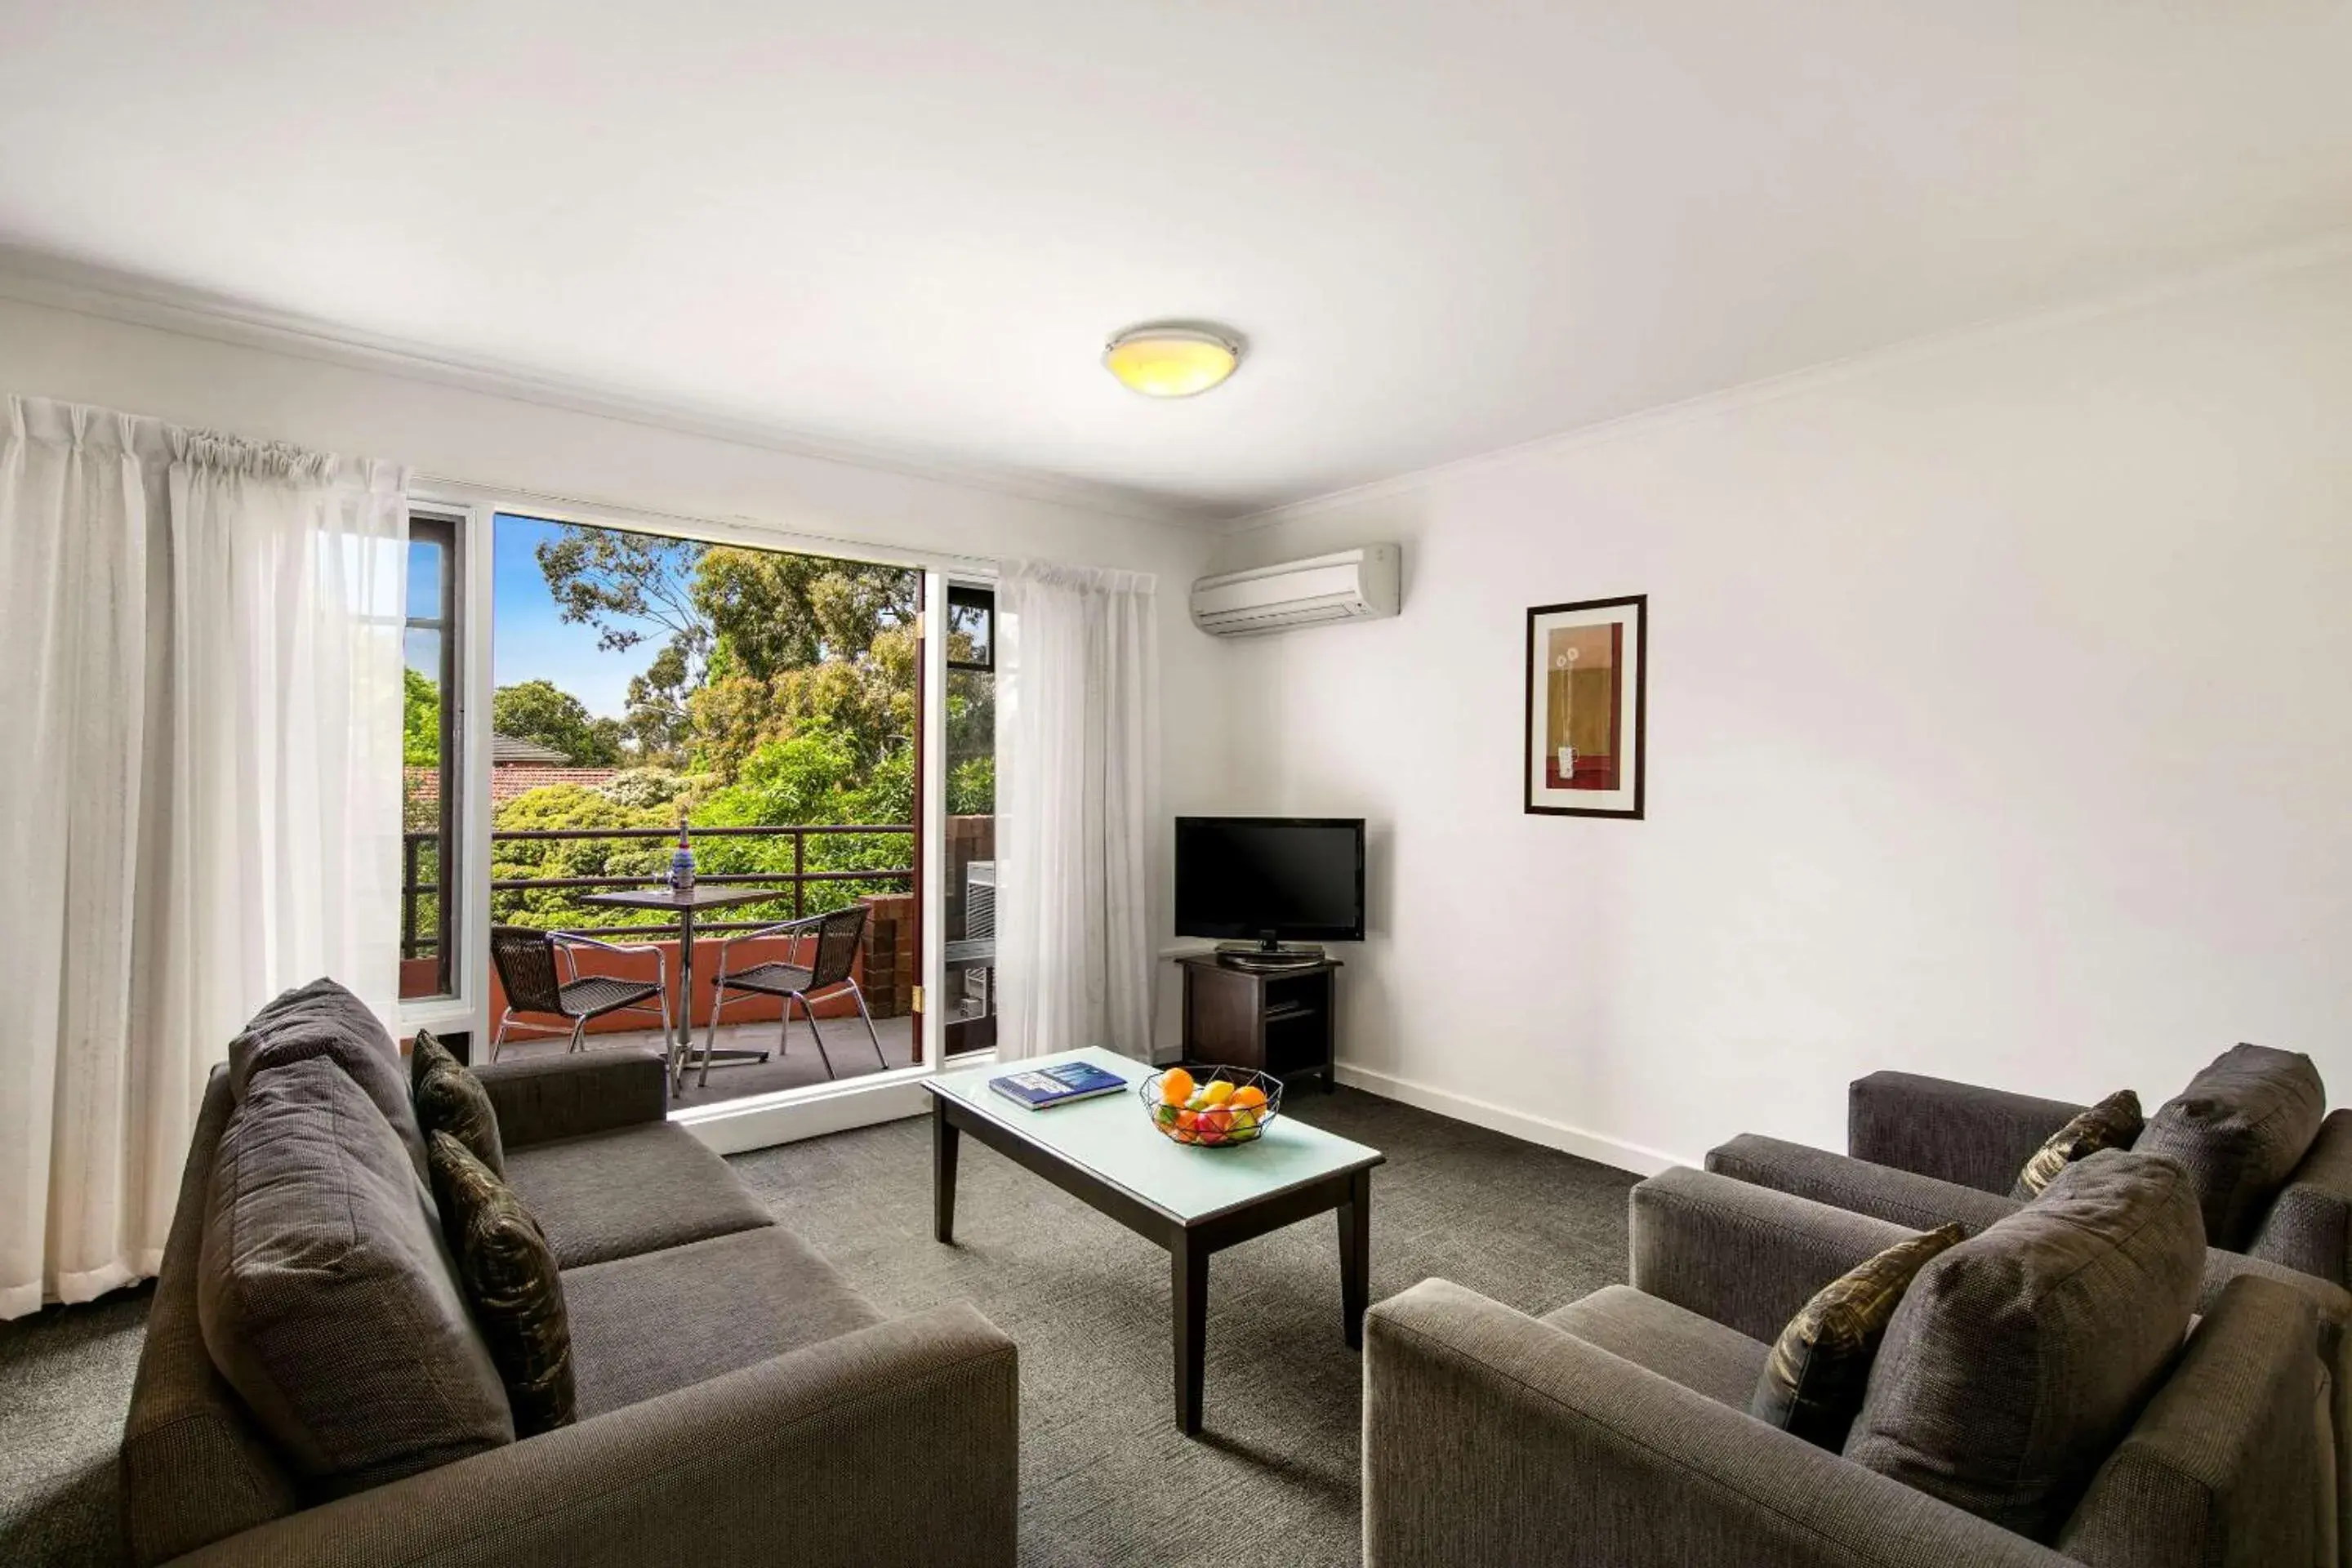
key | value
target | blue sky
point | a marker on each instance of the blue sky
(530, 643)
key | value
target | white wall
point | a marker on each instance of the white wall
(1997, 730)
(478, 437)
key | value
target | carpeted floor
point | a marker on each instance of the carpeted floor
(1106, 1477)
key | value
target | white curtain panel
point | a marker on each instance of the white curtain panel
(1076, 726)
(202, 642)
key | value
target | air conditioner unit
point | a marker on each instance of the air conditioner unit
(1351, 585)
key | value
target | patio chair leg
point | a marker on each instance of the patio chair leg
(823, 1054)
(870, 1033)
(500, 1039)
(579, 1035)
(669, 1045)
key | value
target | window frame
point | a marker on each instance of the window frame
(454, 1008)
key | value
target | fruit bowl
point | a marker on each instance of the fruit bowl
(1212, 1108)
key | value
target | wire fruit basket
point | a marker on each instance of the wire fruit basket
(1207, 1116)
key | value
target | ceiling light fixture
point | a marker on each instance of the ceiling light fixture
(1172, 361)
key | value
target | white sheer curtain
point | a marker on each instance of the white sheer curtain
(1077, 703)
(200, 665)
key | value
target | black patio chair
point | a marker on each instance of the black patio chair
(837, 936)
(541, 971)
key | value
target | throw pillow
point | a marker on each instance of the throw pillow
(2019, 1357)
(2113, 1124)
(322, 1019)
(325, 1294)
(1812, 1383)
(450, 1099)
(2239, 1129)
(511, 1282)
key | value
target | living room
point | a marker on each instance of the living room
(1129, 536)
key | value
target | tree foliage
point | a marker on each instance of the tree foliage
(420, 720)
(780, 692)
(543, 711)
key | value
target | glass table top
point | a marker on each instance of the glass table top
(1112, 1137)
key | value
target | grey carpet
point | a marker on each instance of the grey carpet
(1106, 1477)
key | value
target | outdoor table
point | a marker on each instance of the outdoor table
(685, 905)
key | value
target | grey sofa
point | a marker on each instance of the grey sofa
(1614, 1432)
(738, 1402)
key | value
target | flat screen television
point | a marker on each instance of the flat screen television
(1270, 879)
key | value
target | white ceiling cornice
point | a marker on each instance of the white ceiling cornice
(45, 281)
(2329, 250)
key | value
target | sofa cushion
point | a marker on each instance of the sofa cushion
(322, 1019)
(646, 1325)
(511, 1284)
(2239, 1129)
(1673, 1341)
(325, 1296)
(1814, 1380)
(2113, 1123)
(450, 1099)
(613, 1195)
(2018, 1357)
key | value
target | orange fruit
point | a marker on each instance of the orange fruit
(1176, 1086)
(1249, 1098)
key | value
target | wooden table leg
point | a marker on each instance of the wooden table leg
(1188, 1278)
(944, 1141)
(1355, 1256)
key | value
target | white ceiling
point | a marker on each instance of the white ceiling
(1444, 227)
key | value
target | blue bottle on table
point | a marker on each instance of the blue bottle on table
(681, 864)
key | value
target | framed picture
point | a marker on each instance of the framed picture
(1588, 666)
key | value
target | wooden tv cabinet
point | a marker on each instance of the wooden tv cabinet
(1282, 1023)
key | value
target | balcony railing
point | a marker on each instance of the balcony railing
(791, 885)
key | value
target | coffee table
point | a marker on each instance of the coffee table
(1193, 1201)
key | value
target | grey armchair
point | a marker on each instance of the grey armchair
(1615, 1432)
(1922, 1152)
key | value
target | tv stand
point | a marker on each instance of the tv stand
(1268, 957)
(1280, 1021)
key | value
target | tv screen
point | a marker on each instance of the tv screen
(1284, 878)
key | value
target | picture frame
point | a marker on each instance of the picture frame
(1588, 668)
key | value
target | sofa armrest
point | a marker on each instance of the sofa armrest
(1746, 1257)
(2330, 1303)
(1922, 1202)
(1491, 1438)
(1978, 1137)
(541, 1099)
(2309, 1225)
(894, 1444)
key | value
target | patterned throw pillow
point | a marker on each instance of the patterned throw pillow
(1813, 1382)
(511, 1284)
(450, 1099)
(2113, 1123)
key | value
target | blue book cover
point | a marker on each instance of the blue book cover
(1057, 1085)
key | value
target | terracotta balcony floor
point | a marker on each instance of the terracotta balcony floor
(844, 1041)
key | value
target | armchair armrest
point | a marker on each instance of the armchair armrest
(894, 1444)
(2309, 1225)
(541, 1099)
(1922, 1202)
(791, 930)
(566, 941)
(1746, 1257)
(1490, 1438)
(1978, 1137)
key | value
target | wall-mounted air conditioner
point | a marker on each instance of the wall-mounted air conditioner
(1351, 585)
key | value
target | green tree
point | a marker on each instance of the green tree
(543, 711)
(571, 806)
(420, 721)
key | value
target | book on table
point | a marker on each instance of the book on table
(1057, 1085)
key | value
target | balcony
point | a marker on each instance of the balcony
(884, 967)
